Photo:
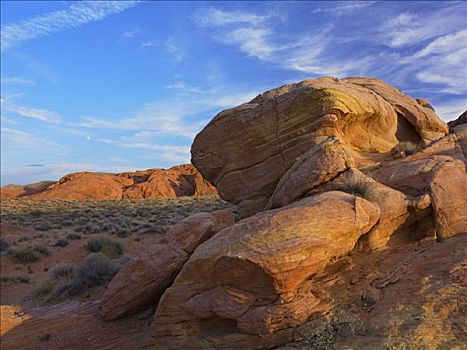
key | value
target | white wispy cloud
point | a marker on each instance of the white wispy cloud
(150, 43)
(438, 35)
(130, 34)
(452, 109)
(175, 49)
(409, 28)
(7, 105)
(343, 6)
(14, 138)
(16, 81)
(216, 17)
(174, 117)
(45, 24)
(185, 87)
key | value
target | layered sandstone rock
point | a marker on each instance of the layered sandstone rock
(141, 282)
(245, 151)
(182, 180)
(253, 276)
(325, 204)
(400, 214)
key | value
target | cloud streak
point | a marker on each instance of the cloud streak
(56, 21)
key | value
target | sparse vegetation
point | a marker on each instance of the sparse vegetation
(25, 254)
(357, 186)
(42, 249)
(406, 148)
(341, 323)
(62, 270)
(74, 236)
(96, 270)
(105, 245)
(122, 218)
(61, 243)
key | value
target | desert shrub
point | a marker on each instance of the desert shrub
(62, 269)
(125, 259)
(3, 245)
(345, 324)
(105, 245)
(97, 269)
(91, 227)
(24, 255)
(74, 235)
(61, 243)
(42, 227)
(408, 147)
(360, 187)
(14, 279)
(42, 249)
(67, 223)
(340, 323)
(42, 293)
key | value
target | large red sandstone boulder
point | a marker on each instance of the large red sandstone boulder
(245, 151)
(141, 282)
(248, 286)
(182, 180)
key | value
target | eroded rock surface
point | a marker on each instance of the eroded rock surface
(245, 151)
(141, 282)
(254, 273)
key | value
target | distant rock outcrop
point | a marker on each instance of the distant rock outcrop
(181, 180)
(19, 190)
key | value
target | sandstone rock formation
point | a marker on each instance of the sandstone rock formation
(325, 204)
(255, 274)
(19, 191)
(142, 281)
(182, 180)
(246, 150)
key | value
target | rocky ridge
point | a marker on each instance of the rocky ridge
(181, 180)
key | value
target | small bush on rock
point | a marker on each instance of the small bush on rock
(358, 187)
(406, 147)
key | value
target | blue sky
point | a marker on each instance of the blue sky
(117, 86)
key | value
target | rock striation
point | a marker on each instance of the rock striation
(141, 282)
(245, 151)
(332, 179)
